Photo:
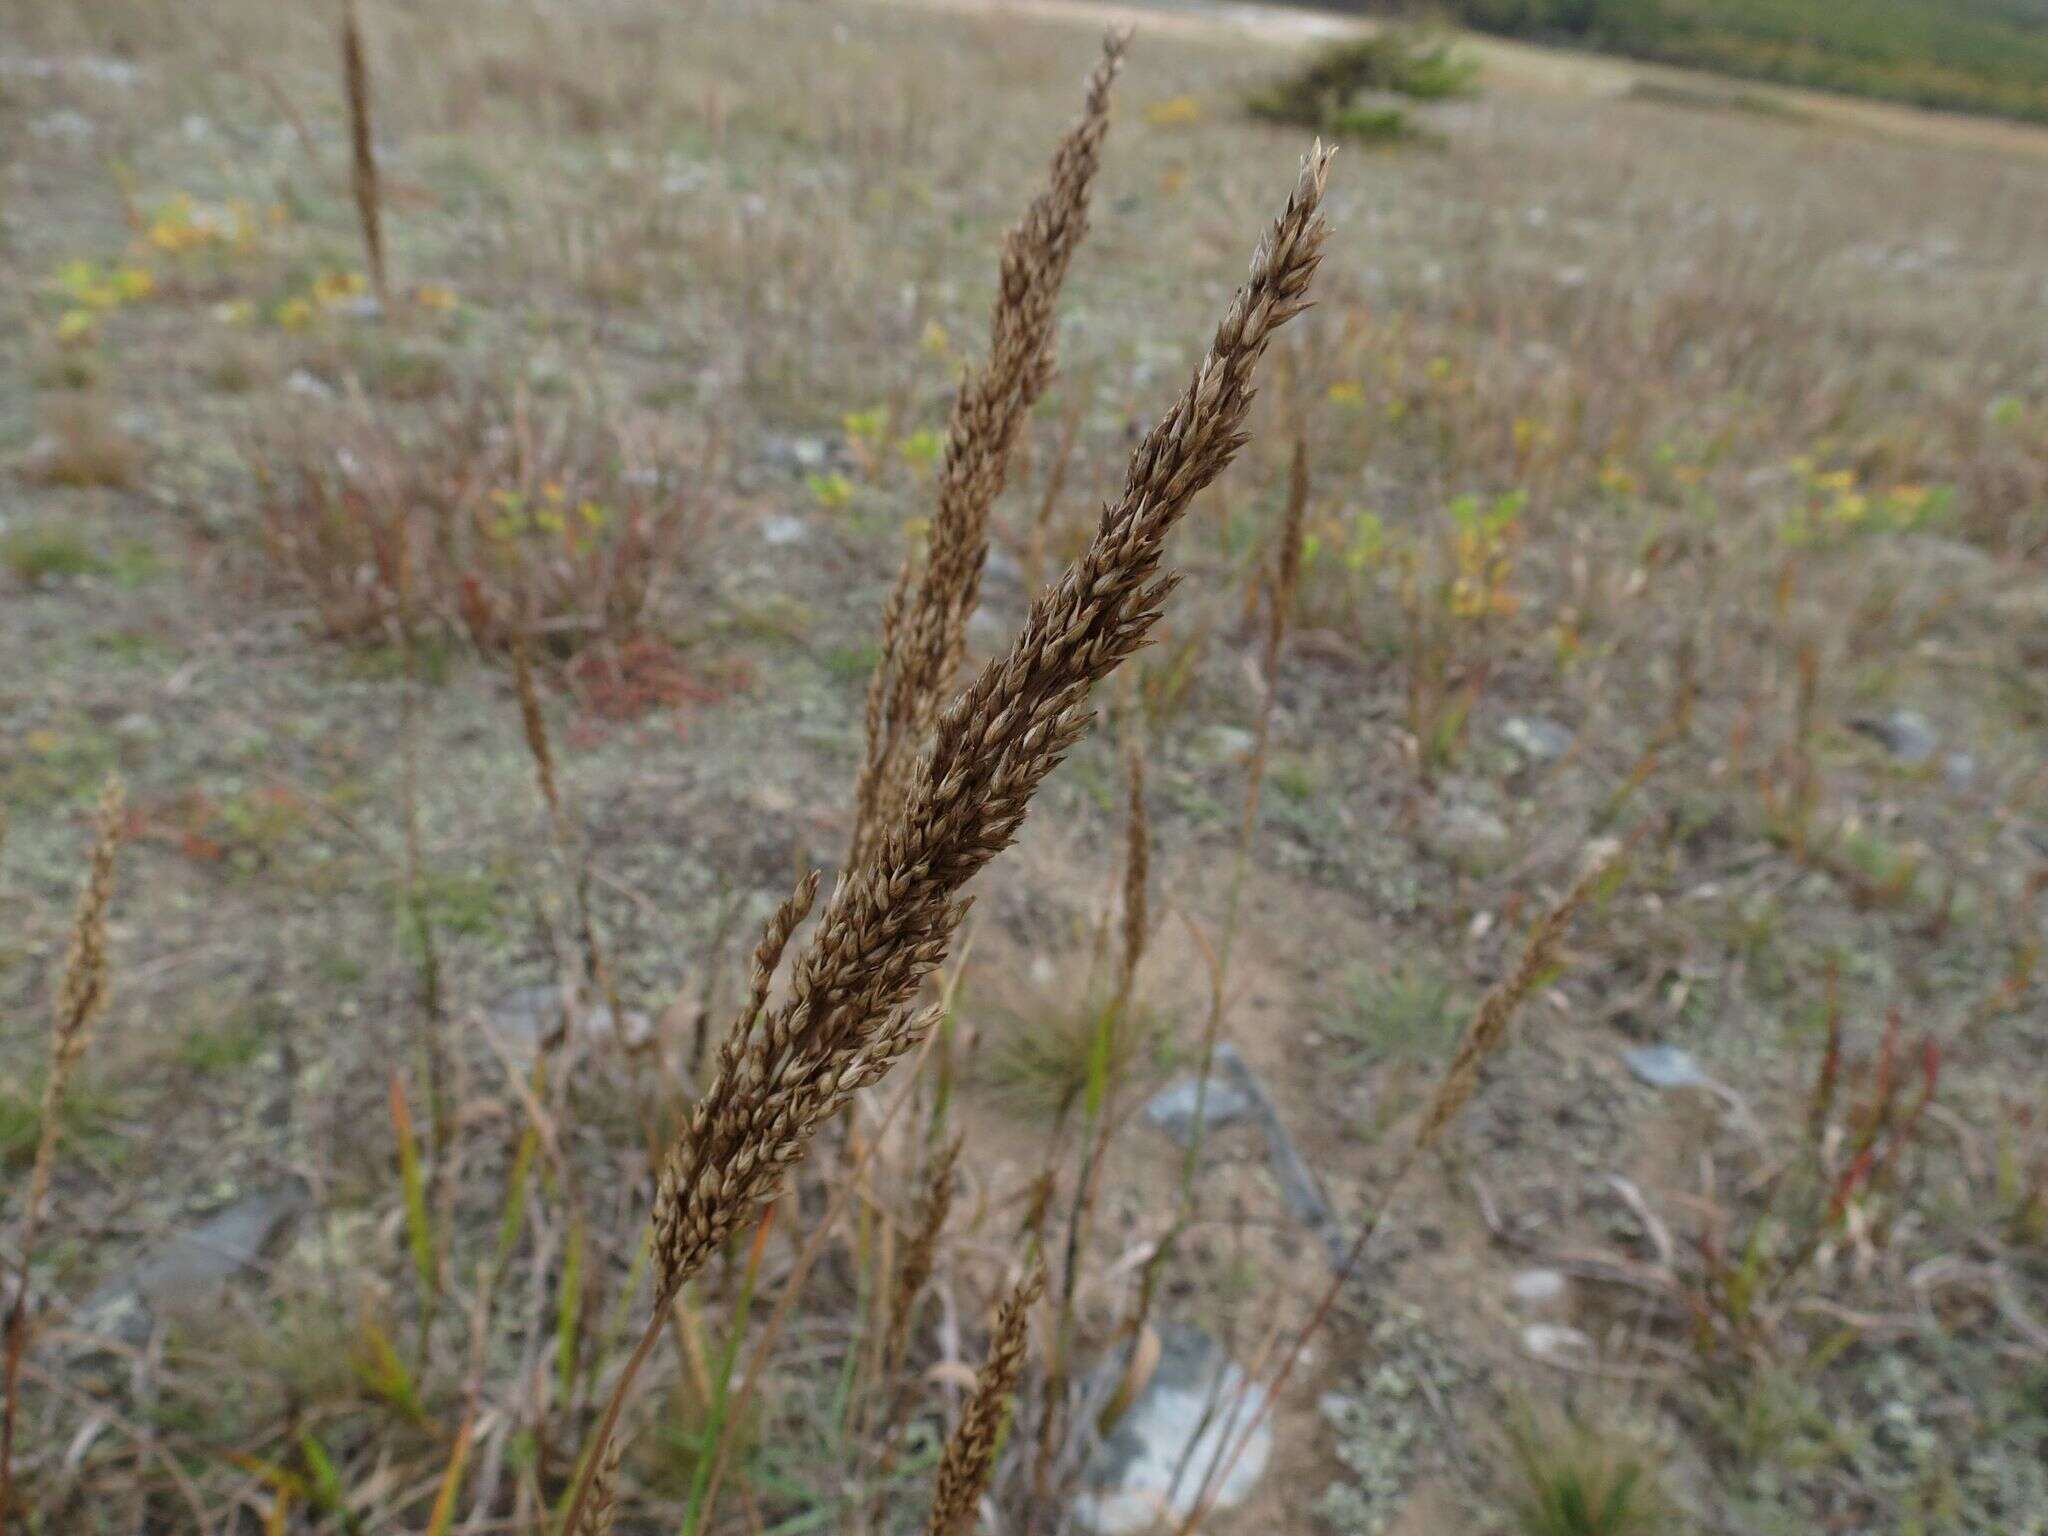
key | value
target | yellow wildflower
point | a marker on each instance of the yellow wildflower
(1174, 112)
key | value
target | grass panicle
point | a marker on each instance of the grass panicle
(1488, 1030)
(892, 916)
(81, 998)
(971, 1451)
(924, 628)
(849, 1014)
(82, 993)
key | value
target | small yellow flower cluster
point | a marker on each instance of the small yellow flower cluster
(519, 515)
(1836, 503)
(91, 291)
(1357, 546)
(1174, 112)
(183, 225)
(1616, 479)
(1482, 554)
(298, 311)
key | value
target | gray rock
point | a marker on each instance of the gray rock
(189, 1270)
(1236, 1093)
(798, 455)
(1904, 733)
(782, 530)
(1664, 1066)
(1538, 739)
(1172, 1109)
(1540, 1291)
(1553, 1341)
(1198, 1406)
(1468, 836)
(1959, 771)
(530, 1019)
(71, 127)
(300, 382)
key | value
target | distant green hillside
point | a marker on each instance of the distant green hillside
(1985, 56)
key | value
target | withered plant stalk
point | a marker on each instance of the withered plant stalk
(355, 70)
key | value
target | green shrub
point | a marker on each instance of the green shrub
(1324, 94)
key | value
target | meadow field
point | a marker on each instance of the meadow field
(532, 584)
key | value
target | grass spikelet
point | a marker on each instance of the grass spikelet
(82, 993)
(363, 181)
(1489, 1027)
(534, 727)
(924, 629)
(971, 1452)
(934, 1205)
(601, 1513)
(81, 998)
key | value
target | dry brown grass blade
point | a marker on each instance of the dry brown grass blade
(363, 181)
(81, 998)
(924, 627)
(850, 1016)
(971, 1451)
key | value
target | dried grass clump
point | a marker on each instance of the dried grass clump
(83, 446)
(487, 522)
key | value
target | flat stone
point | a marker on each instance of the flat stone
(300, 382)
(1904, 733)
(1172, 1108)
(782, 530)
(528, 1019)
(1468, 836)
(1539, 1290)
(71, 127)
(1150, 1468)
(1538, 739)
(1664, 1066)
(799, 455)
(1553, 1341)
(189, 1270)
